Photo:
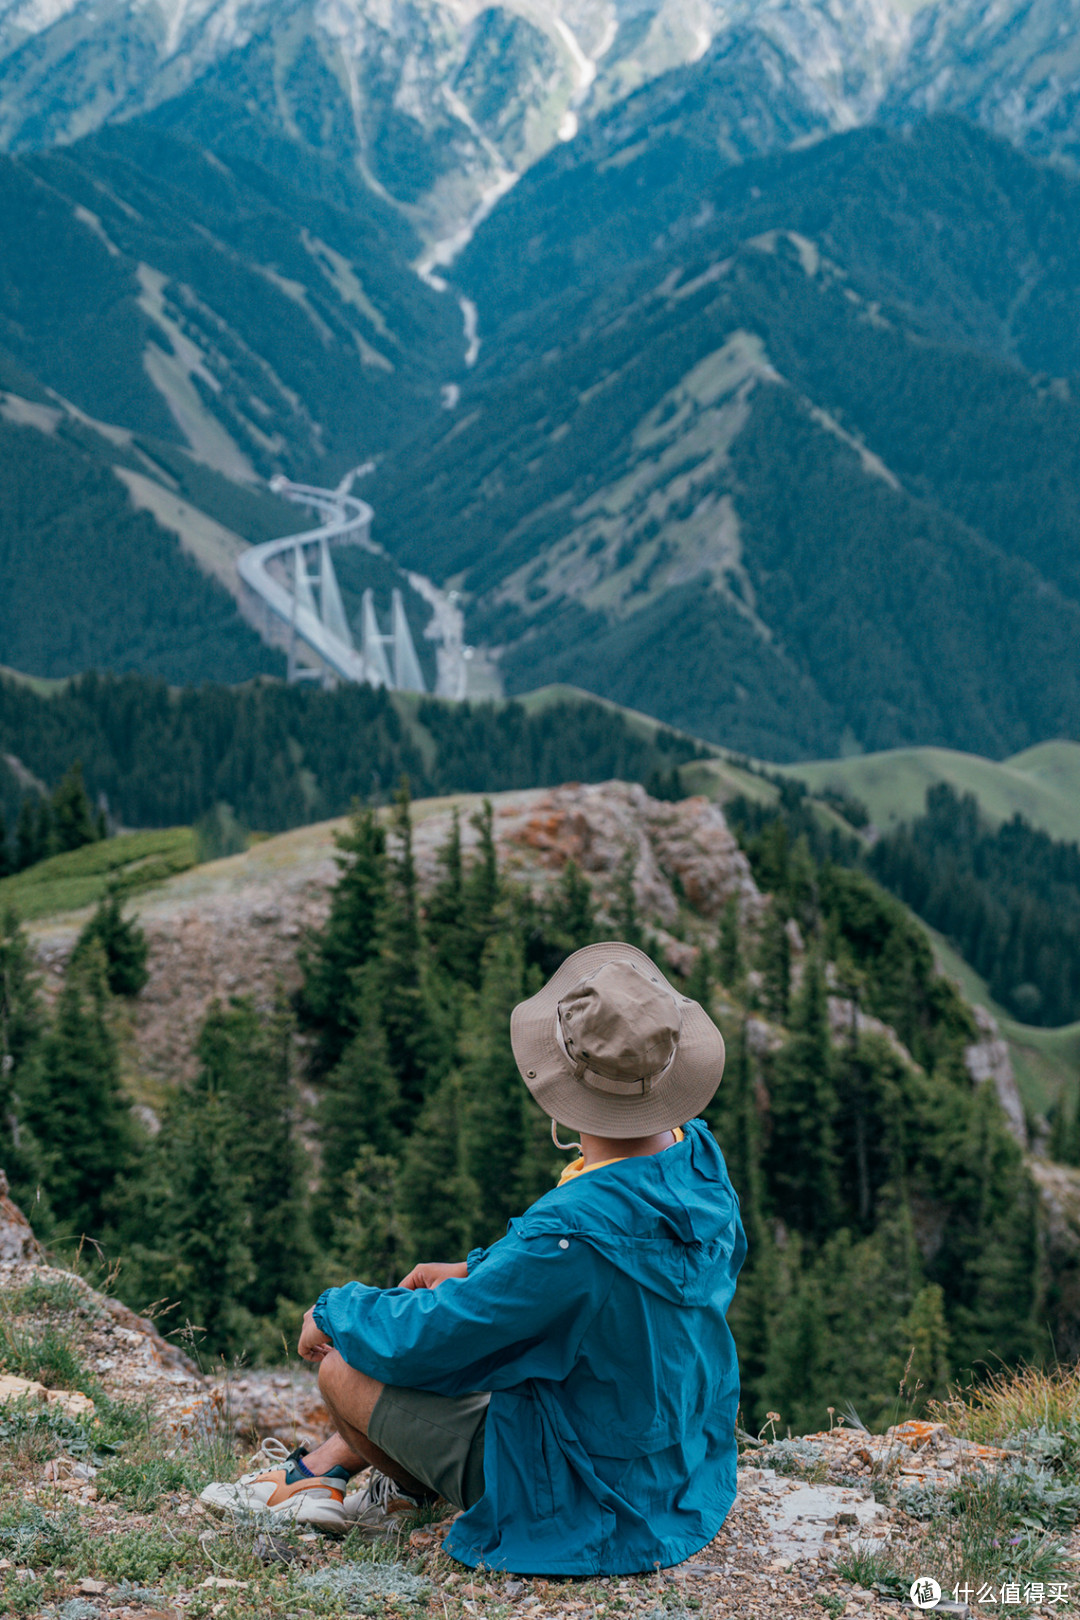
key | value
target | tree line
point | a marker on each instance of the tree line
(51, 824)
(887, 1207)
(280, 755)
(1008, 897)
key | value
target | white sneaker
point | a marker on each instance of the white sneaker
(318, 1501)
(381, 1505)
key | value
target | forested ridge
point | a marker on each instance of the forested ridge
(1007, 897)
(888, 1208)
(700, 359)
(89, 582)
(280, 756)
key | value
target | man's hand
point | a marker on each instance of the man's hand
(314, 1344)
(433, 1272)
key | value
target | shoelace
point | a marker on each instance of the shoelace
(380, 1491)
(275, 1451)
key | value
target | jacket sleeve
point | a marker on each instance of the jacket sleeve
(521, 1314)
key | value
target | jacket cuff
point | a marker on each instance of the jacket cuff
(319, 1314)
(473, 1259)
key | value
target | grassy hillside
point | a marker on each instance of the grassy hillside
(1042, 784)
(80, 878)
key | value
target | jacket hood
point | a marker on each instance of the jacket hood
(669, 1220)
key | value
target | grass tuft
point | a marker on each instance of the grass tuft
(1012, 1404)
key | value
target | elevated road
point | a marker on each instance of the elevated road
(289, 616)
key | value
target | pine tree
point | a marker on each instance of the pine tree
(924, 1336)
(570, 920)
(729, 964)
(73, 821)
(202, 1256)
(7, 860)
(492, 1087)
(774, 963)
(1057, 1146)
(802, 1152)
(874, 1104)
(407, 1010)
(792, 1378)
(366, 1243)
(439, 1201)
(21, 1036)
(33, 831)
(735, 1118)
(123, 942)
(699, 982)
(988, 1260)
(246, 1064)
(625, 911)
(331, 959)
(541, 1163)
(447, 932)
(358, 1105)
(481, 892)
(77, 1108)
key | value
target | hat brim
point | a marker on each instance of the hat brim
(679, 1094)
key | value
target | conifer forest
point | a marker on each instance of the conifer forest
(375, 1117)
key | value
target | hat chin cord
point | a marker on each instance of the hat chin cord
(564, 1147)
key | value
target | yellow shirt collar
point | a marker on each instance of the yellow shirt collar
(579, 1166)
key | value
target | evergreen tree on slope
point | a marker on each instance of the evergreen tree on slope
(802, 1162)
(358, 1105)
(21, 1035)
(77, 1109)
(332, 958)
(438, 1199)
(492, 1087)
(246, 1067)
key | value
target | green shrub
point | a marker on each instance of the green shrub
(142, 1483)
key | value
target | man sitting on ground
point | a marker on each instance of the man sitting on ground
(573, 1387)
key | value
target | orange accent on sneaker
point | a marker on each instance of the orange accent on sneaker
(282, 1492)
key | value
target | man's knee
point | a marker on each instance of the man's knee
(350, 1394)
(330, 1369)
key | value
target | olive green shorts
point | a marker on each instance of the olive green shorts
(439, 1439)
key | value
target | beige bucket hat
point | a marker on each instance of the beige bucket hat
(610, 1047)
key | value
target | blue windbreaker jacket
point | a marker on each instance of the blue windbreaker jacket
(598, 1323)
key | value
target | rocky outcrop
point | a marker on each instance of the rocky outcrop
(1059, 1209)
(988, 1059)
(846, 1020)
(17, 1240)
(680, 851)
(234, 925)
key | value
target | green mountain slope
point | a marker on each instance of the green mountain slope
(90, 581)
(782, 480)
(1042, 784)
(209, 302)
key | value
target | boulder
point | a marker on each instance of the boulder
(17, 1240)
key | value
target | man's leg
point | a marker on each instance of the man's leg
(350, 1398)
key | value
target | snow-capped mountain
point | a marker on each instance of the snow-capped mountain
(1013, 67)
(438, 103)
